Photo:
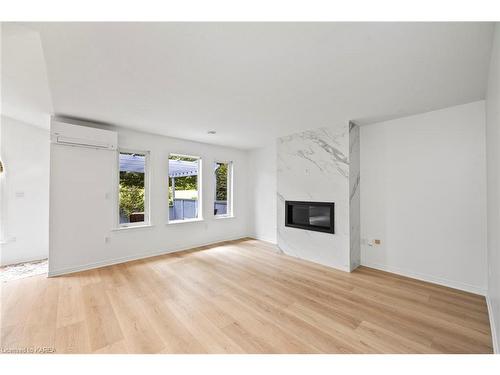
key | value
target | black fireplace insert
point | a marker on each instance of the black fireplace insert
(316, 216)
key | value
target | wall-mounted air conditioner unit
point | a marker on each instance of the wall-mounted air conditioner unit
(67, 134)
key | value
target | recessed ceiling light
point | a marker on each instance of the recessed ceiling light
(211, 132)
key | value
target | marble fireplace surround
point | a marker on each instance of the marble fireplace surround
(321, 165)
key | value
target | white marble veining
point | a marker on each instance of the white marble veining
(314, 166)
(354, 196)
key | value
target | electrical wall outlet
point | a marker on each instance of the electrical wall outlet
(373, 242)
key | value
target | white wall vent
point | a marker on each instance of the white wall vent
(67, 134)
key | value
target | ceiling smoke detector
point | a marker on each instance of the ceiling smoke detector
(211, 132)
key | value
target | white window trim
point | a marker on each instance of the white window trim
(147, 191)
(144, 226)
(200, 189)
(173, 222)
(230, 193)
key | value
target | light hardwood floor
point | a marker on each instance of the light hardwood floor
(239, 297)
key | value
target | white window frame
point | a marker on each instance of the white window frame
(199, 184)
(147, 192)
(229, 209)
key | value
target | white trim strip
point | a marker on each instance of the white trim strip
(110, 262)
(428, 278)
(492, 325)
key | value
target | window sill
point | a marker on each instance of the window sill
(222, 217)
(145, 226)
(184, 221)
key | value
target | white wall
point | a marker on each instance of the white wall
(83, 197)
(25, 192)
(262, 192)
(423, 194)
(493, 186)
(25, 87)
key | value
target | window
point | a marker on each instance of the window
(223, 189)
(184, 181)
(133, 189)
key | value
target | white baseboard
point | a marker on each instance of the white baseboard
(129, 258)
(271, 241)
(23, 260)
(492, 325)
(428, 278)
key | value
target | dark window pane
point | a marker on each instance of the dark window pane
(319, 216)
(300, 215)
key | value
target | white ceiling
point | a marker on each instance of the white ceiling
(253, 82)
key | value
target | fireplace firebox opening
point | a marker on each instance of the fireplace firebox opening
(315, 216)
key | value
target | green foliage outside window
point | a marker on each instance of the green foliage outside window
(131, 199)
(221, 182)
(185, 183)
(131, 192)
(131, 178)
